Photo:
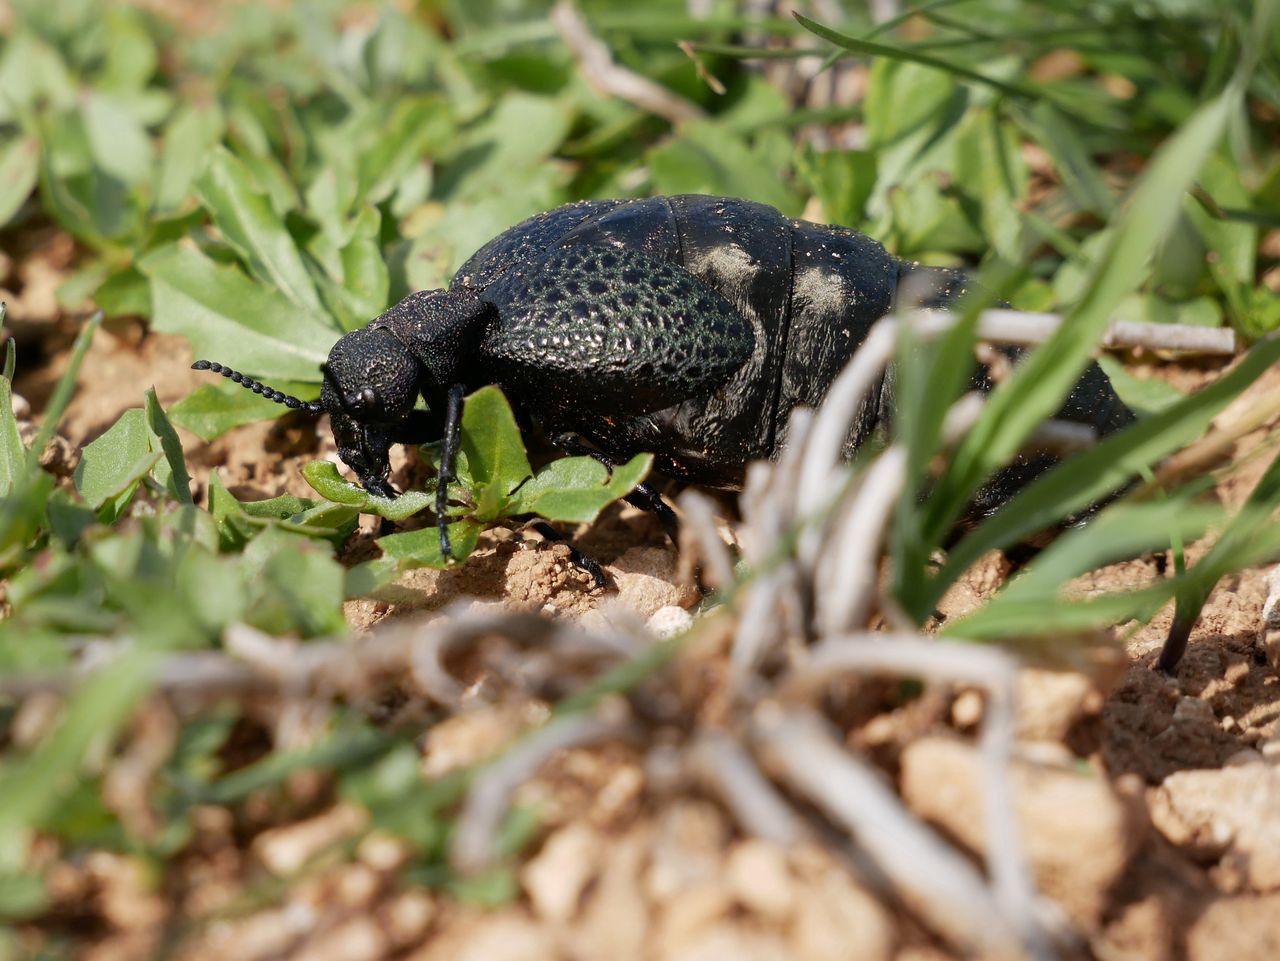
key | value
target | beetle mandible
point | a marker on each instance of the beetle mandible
(687, 326)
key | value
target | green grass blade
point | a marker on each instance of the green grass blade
(1036, 388)
(1085, 478)
(1246, 540)
(872, 49)
(62, 393)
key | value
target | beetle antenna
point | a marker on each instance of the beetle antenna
(280, 397)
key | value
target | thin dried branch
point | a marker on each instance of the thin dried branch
(723, 766)
(477, 830)
(930, 876)
(1029, 328)
(700, 533)
(610, 79)
(992, 669)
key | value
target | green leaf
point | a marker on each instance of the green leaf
(421, 548)
(62, 393)
(247, 220)
(232, 319)
(1057, 133)
(112, 465)
(165, 438)
(325, 480)
(1142, 395)
(188, 140)
(294, 584)
(216, 408)
(30, 786)
(576, 489)
(13, 454)
(19, 172)
(360, 281)
(495, 451)
(708, 158)
(118, 142)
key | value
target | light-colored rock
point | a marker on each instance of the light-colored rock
(284, 850)
(1246, 755)
(836, 920)
(1233, 813)
(757, 875)
(647, 582)
(1050, 702)
(497, 936)
(616, 922)
(408, 915)
(1237, 929)
(360, 939)
(687, 850)
(1062, 814)
(685, 919)
(555, 879)
(669, 621)
(727, 942)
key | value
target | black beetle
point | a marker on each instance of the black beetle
(686, 326)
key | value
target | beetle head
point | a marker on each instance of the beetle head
(371, 382)
(372, 378)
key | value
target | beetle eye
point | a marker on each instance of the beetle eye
(364, 401)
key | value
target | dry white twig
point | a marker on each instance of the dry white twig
(1029, 328)
(989, 668)
(490, 795)
(700, 525)
(724, 767)
(934, 879)
(610, 79)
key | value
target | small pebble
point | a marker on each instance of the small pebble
(1246, 756)
(669, 621)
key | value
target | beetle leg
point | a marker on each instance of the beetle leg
(579, 559)
(644, 496)
(448, 458)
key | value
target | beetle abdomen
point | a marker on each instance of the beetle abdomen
(842, 283)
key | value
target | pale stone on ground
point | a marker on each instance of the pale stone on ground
(1233, 813)
(757, 874)
(555, 879)
(1050, 702)
(1077, 832)
(284, 850)
(1237, 929)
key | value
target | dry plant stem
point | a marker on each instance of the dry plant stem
(608, 78)
(699, 521)
(725, 768)
(847, 582)
(935, 880)
(759, 629)
(989, 668)
(335, 668)
(1217, 446)
(1028, 328)
(479, 823)
(822, 455)
(1061, 437)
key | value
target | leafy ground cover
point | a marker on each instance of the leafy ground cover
(197, 753)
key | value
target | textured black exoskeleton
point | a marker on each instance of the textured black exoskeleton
(687, 326)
